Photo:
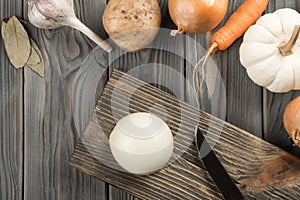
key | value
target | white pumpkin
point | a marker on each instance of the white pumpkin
(265, 63)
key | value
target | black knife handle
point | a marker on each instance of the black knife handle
(216, 170)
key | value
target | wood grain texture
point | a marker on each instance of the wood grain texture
(261, 170)
(159, 53)
(11, 116)
(243, 97)
(11, 136)
(118, 194)
(153, 65)
(37, 134)
(275, 104)
(50, 134)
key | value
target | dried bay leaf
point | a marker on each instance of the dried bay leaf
(35, 61)
(16, 42)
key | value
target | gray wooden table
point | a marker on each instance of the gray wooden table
(37, 133)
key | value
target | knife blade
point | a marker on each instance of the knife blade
(216, 170)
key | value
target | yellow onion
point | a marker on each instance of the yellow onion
(196, 16)
(291, 120)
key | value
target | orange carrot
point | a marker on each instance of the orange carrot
(238, 23)
(234, 28)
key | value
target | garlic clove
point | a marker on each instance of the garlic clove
(51, 14)
(48, 14)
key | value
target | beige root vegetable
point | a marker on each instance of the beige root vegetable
(132, 24)
(291, 120)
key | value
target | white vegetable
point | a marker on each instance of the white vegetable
(141, 143)
(51, 14)
(271, 50)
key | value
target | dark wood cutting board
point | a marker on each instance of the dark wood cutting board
(260, 170)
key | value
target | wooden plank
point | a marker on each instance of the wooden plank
(297, 5)
(275, 104)
(260, 169)
(50, 134)
(11, 116)
(117, 194)
(154, 65)
(243, 98)
(275, 133)
(146, 63)
(84, 101)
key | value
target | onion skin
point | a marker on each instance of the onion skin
(197, 16)
(291, 120)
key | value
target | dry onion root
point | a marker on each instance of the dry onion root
(195, 76)
(197, 17)
(291, 120)
(234, 28)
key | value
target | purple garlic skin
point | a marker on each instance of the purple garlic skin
(49, 14)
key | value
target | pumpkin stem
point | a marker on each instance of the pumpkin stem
(285, 48)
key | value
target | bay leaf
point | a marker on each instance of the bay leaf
(35, 61)
(16, 42)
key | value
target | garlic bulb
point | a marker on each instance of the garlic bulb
(51, 14)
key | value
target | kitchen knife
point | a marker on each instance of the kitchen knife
(220, 176)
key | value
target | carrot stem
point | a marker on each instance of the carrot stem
(285, 48)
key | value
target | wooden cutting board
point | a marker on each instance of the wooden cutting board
(259, 169)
